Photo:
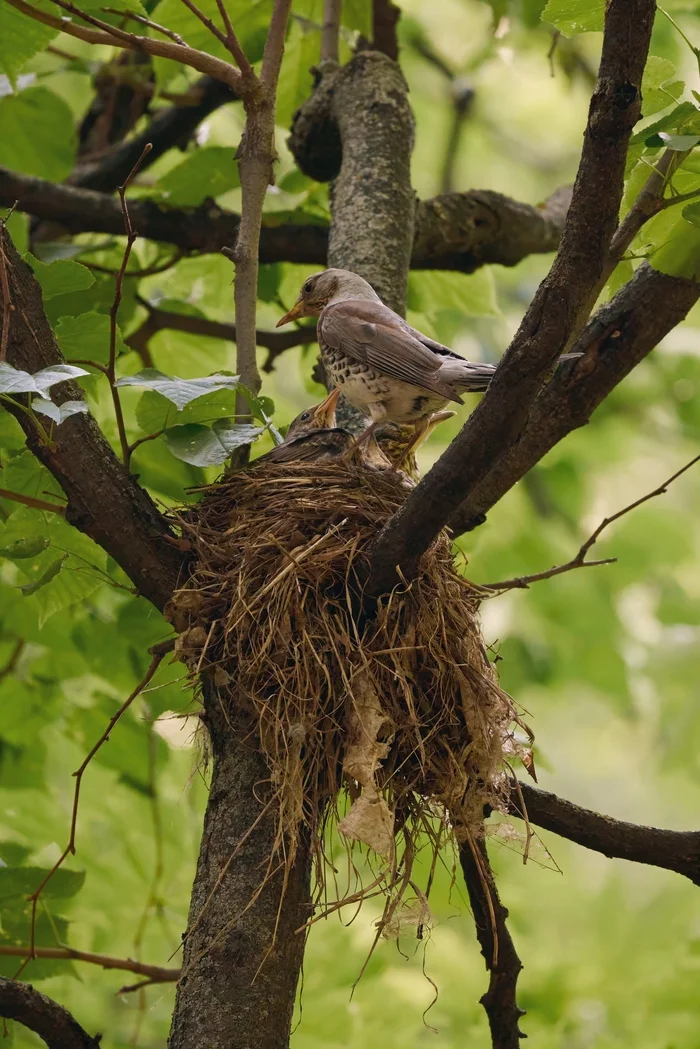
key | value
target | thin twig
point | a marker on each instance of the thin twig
(189, 56)
(6, 302)
(29, 500)
(579, 561)
(78, 774)
(233, 45)
(11, 663)
(155, 973)
(331, 29)
(142, 440)
(148, 271)
(205, 20)
(147, 22)
(131, 236)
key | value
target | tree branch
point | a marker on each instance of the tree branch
(460, 231)
(673, 850)
(496, 944)
(36, 1012)
(620, 335)
(559, 308)
(113, 37)
(330, 29)
(155, 973)
(276, 342)
(103, 501)
(256, 156)
(579, 561)
(169, 127)
(385, 17)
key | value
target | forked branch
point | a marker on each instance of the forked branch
(579, 561)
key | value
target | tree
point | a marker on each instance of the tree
(95, 437)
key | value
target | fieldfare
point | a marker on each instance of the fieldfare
(388, 370)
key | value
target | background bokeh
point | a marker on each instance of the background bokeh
(605, 660)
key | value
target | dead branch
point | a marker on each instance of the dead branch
(330, 29)
(673, 850)
(78, 774)
(579, 561)
(29, 500)
(496, 944)
(155, 973)
(54, 1024)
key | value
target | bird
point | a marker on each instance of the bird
(388, 370)
(397, 442)
(313, 436)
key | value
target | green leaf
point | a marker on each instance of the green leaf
(691, 213)
(205, 173)
(575, 16)
(473, 295)
(60, 412)
(86, 337)
(13, 381)
(179, 391)
(37, 132)
(679, 256)
(683, 120)
(60, 277)
(51, 572)
(22, 548)
(658, 91)
(155, 412)
(20, 882)
(21, 37)
(680, 143)
(205, 446)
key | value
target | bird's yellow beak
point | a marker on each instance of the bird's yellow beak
(296, 311)
(324, 416)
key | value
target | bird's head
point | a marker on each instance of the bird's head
(319, 417)
(328, 286)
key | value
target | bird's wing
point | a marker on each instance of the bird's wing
(309, 447)
(372, 334)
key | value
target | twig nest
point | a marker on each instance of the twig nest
(394, 708)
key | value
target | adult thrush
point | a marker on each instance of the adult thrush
(388, 370)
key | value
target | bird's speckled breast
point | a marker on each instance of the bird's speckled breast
(363, 386)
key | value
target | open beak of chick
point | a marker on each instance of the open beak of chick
(298, 310)
(324, 416)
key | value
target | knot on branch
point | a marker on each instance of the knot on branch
(315, 139)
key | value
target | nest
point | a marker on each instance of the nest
(392, 721)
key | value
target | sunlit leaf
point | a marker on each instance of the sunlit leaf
(60, 412)
(179, 391)
(206, 172)
(37, 132)
(14, 381)
(575, 16)
(209, 446)
(60, 277)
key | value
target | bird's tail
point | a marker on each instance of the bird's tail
(476, 378)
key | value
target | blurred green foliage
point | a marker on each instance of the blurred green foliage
(604, 660)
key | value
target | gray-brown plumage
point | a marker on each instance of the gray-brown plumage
(388, 370)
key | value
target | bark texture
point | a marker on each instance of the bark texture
(497, 947)
(557, 312)
(674, 850)
(242, 955)
(36, 1012)
(103, 500)
(455, 231)
(621, 334)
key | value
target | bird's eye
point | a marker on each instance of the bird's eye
(305, 417)
(308, 287)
